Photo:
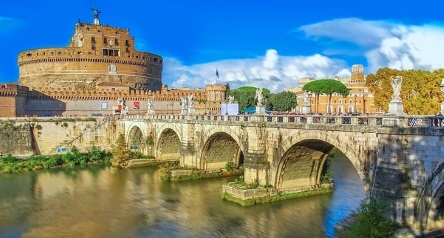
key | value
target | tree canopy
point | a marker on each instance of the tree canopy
(283, 101)
(327, 87)
(420, 92)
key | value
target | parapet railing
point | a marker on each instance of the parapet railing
(370, 120)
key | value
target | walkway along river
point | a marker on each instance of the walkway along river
(107, 202)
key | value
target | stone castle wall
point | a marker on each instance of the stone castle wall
(71, 68)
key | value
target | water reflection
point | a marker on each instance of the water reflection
(107, 202)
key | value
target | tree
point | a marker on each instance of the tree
(420, 92)
(371, 222)
(283, 101)
(328, 87)
(245, 96)
(121, 153)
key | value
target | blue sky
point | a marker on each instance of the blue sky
(268, 44)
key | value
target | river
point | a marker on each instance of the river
(100, 201)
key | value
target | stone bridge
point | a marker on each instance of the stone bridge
(399, 159)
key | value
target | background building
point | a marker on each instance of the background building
(359, 101)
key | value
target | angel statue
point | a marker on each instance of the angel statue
(396, 83)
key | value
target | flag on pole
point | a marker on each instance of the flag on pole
(217, 73)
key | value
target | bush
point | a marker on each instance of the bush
(371, 222)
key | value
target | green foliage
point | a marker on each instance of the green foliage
(283, 101)
(229, 166)
(38, 127)
(371, 222)
(65, 125)
(245, 96)
(121, 153)
(150, 140)
(327, 87)
(74, 157)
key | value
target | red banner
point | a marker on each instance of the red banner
(136, 105)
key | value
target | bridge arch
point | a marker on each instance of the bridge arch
(219, 148)
(168, 144)
(429, 210)
(136, 137)
(304, 156)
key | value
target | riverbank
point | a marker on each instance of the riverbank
(11, 164)
(170, 172)
(248, 195)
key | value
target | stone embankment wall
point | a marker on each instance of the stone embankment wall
(28, 136)
(15, 138)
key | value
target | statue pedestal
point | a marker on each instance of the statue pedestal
(191, 111)
(306, 109)
(260, 110)
(396, 108)
(150, 112)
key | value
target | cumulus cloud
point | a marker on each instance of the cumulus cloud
(385, 43)
(271, 71)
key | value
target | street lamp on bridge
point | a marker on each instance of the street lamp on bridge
(356, 96)
(364, 97)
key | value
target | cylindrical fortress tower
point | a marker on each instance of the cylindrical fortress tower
(96, 54)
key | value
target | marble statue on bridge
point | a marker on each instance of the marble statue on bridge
(395, 105)
(396, 83)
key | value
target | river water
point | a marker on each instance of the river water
(102, 201)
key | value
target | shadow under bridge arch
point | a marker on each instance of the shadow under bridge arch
(219, 150)
(302, 165)
(136, 139)
(168, 146)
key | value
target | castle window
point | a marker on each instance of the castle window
(127, 43)
(155, 59)
(105, 51)
(127, 50)
(59, 53)
(105, 41)
(116, 42)
(29, 54)
(93, 47)
(93, 40)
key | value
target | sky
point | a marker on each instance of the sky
(269, 44)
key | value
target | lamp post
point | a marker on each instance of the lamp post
(75, 105)
(364, 97)
(441, 86)
(309, 100)
(356, 96)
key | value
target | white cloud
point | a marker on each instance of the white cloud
(386, 44)
(271, 71)
(8, 24)
(355, 30)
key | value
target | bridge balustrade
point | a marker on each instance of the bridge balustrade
(369, 120)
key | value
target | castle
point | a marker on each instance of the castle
(98, 68)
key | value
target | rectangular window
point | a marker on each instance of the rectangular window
(105, 51)
(116, 52)
(105, 41)
(116, 42)
(110, 52)
(127, 43)
(93, 40)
